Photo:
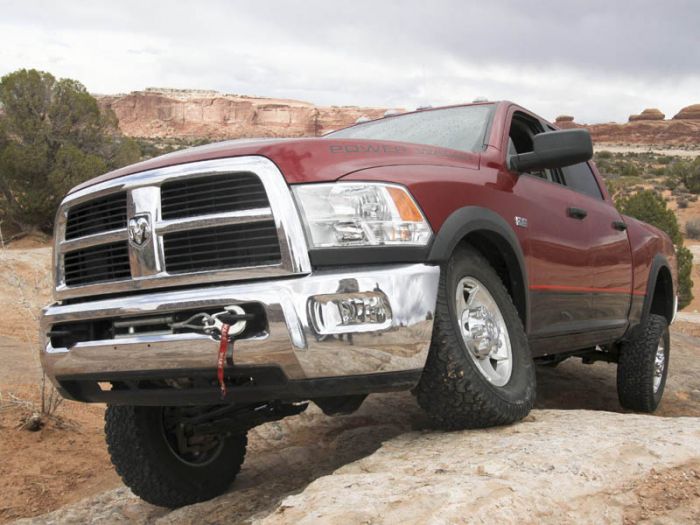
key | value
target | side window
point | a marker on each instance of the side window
(579, 177)
(522, 129)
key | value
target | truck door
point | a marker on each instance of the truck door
(558, 244)
(609, 257)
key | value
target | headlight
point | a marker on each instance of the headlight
(360, 214)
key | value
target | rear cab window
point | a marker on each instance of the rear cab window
(579, 177)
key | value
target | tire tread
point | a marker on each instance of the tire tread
(449, 389)
(137, 462)
(635, 378)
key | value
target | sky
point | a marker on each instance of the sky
(597, 60)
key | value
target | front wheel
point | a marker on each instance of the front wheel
(163, 467)
(479, 371)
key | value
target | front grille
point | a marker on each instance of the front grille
(202, 222)
(233, 246)
(212, 194)
(106, 262)
(99, 215)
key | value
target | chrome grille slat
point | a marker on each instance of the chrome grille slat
(184, 253)
(204, 181)
(97, 264)
(100, 215)
(234, 219)
(207, 200)
(207, 192)
(210, 194)
(94, 240)
(222, 244)
(218, 219)
(253, 255)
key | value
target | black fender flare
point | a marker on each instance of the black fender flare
(475, 219)
(658, 262)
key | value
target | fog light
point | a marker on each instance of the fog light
(344, 313)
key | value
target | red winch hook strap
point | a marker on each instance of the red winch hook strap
(221, 361)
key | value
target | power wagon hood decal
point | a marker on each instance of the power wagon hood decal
(307, 160)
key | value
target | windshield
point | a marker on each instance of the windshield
(462, 128)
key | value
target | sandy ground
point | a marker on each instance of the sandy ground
(66, 461)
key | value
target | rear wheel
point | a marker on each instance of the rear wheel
(643, 366)
(479, 371)
(164, 467)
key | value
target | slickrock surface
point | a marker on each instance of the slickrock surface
(575, 466)
(557, 466)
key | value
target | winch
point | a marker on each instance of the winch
(227, 325)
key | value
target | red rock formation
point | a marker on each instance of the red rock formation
(649, 127)
(657, 132)
(648, 114)
(158, 113)
(566, 122)
(162, 113)
(688, 113)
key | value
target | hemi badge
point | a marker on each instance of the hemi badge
(521, 221)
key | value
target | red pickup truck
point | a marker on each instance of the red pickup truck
(445, 251)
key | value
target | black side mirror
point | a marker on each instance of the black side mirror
(554, 149)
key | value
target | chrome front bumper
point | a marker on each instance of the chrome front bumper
(290, 342)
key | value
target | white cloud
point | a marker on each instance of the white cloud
(591, 59)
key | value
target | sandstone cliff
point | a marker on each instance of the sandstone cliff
(658, 132)
(688, 113)
(195, 114)
(160, 113)
(649, 127)
(648, 114)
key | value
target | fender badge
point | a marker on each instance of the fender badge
(521, 221)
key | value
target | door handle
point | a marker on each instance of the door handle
(576, 213)
(619, 225)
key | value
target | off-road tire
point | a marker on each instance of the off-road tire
(635, 368)
(451, 390)
(147, 465)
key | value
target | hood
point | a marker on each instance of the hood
(307, 160)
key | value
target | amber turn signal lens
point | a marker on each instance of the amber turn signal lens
(404, 204)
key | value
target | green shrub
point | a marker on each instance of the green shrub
(686, 172)
(52, 137)
(630, 170)
(649, 207)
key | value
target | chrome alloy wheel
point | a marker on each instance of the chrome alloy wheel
(659, 365)
(484, 331)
